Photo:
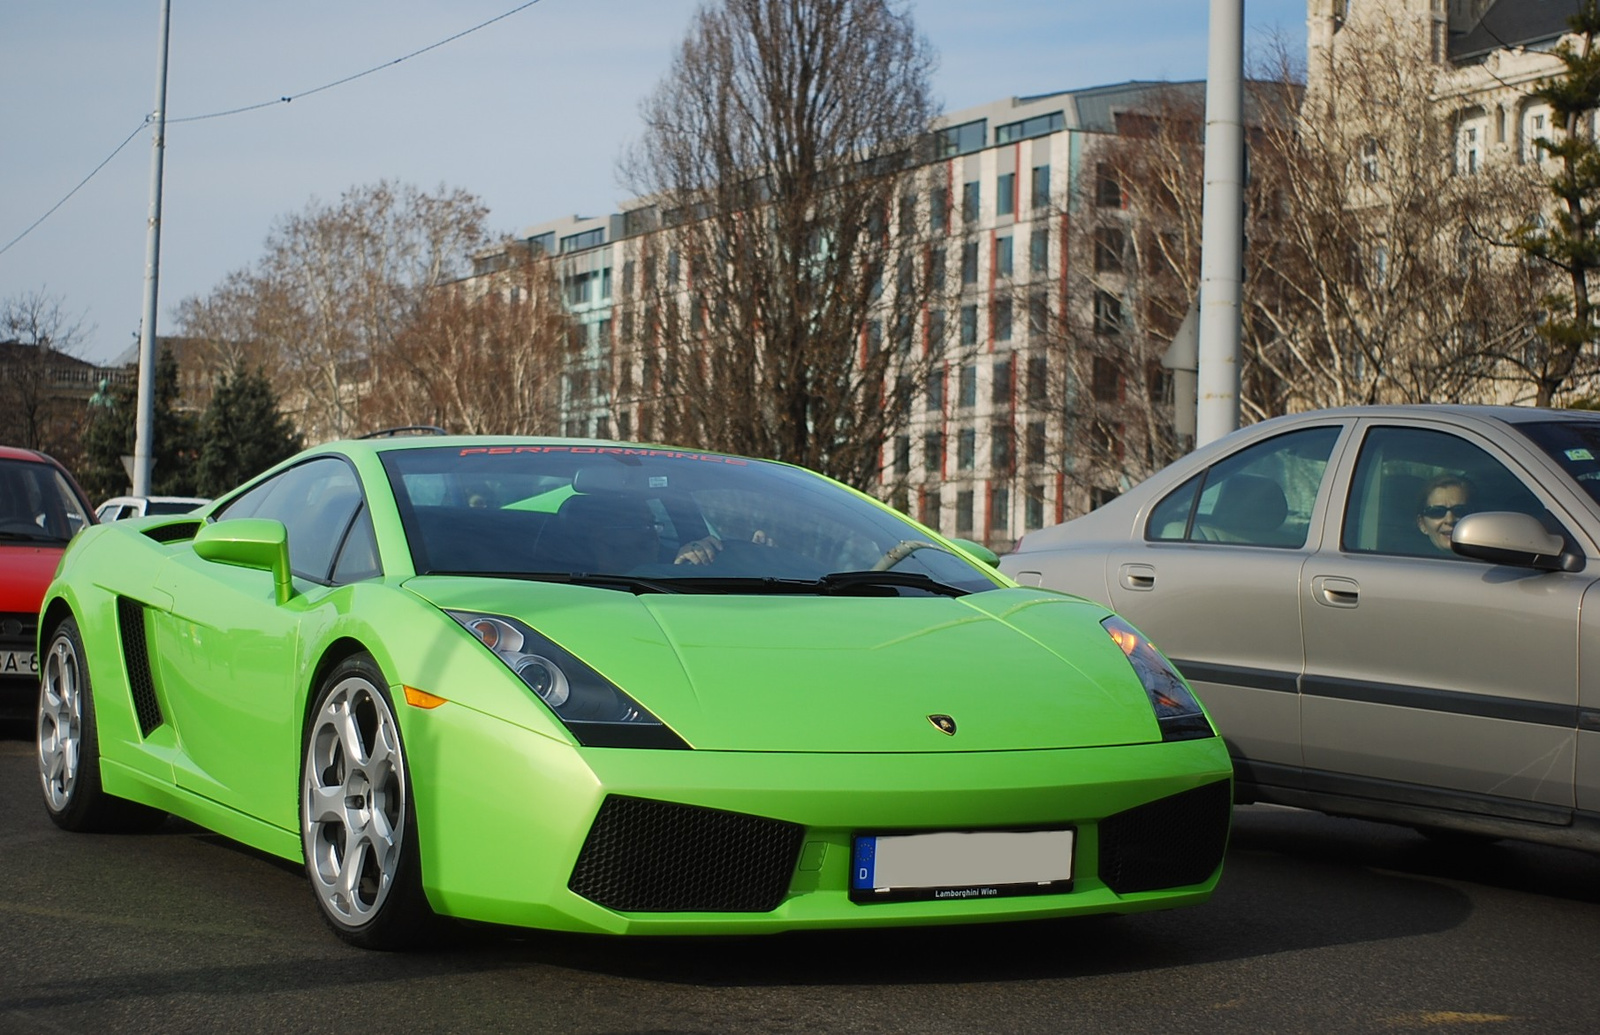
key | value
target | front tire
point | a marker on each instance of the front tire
(358, 826)
(68, 745)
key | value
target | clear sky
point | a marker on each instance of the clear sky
(530, 113)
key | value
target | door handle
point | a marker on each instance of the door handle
(1137, 576)
(1335, 592)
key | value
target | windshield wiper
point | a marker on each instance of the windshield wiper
(843, 582)
(632, 583)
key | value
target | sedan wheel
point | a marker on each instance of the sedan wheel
(356, 823)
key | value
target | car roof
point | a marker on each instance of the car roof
(28, 455)
(1506, 414)
(354, 446)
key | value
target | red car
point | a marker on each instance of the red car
(41, 508)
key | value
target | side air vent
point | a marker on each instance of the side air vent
(1166, 843)
(178, 531)
(136, 658)
(657, 857)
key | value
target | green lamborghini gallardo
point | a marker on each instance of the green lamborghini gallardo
(611, 688)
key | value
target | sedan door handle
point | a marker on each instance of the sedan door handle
(1137, 576)
(1336, 592)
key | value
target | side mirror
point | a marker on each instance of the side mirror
(1507, 537)
(979, 552)
(258, 543)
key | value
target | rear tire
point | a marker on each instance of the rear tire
(68, 745)
(358, 826)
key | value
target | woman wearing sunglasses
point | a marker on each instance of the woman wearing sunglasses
(1446, 500)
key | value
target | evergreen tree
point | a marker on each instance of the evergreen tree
(1570, 241)
(242, 432)
(112, 429)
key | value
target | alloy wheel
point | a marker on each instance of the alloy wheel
(353, 804)
(60, 731)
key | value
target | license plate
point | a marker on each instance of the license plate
(19, 663)
(961, 865)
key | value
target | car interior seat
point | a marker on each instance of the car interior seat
(1250, 508)
(1399, 498)
(586, 524)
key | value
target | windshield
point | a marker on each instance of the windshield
(37, 504)
(1575, 445)
(699, 521)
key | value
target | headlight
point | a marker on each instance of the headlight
(1177, 710)
(587, 703)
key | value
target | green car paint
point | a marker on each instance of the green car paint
(814, 707)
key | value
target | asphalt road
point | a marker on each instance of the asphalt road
(1320, 925)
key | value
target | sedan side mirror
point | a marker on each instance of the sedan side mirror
(258, 543)
(1507, 537)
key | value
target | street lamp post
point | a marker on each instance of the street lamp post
(1222, 226)
(144, 424)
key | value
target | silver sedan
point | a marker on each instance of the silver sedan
(1391, 612)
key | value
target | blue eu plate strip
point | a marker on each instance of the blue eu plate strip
(864, 865)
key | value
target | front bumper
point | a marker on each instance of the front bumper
(504, 815)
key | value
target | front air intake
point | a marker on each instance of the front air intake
(136, 659)
(645, 856)
(1166, 843)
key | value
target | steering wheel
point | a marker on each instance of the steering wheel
(901, 550)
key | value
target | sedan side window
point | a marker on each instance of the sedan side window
(1260, 496)
(315, 501)
(1412, 485)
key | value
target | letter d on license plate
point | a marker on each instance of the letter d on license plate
(961, 864)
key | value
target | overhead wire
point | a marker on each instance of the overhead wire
(285, 99)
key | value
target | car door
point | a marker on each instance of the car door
(1214, 581)
(228, 652)
(1430, 677)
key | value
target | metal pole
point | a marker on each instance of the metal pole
(144, 424)
(1222, 226)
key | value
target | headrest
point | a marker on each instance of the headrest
(1249, 501)
(601, 512)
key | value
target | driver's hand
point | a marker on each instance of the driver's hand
(701, 551)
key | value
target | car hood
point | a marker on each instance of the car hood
(1014, 669)
(27, 569)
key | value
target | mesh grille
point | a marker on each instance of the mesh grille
(17, 629)
(173, 533)
(1166, 843)
(136, 655)
(659, 857)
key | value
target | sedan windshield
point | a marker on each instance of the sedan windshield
(669, 520)
(1575, 445)
(37, 504)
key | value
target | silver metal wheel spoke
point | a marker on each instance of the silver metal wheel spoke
(343, 721)
(325, 805)
(349, 883)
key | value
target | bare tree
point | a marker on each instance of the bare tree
(482, 357)
(1381, 280)
(337, 284)
(781, 295)
(41, 382)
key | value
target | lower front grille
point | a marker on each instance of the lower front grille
(17, 629)
(1166, 843)
(645, 856)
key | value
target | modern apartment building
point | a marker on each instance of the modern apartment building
(997, 444)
